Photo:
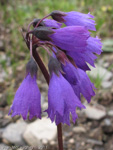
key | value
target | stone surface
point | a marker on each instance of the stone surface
(79, 130)
(95, 113)
(4, 147)
(107, 84)
(110, 113)
(4, 122)
(40, 130)
(13, 133)
(107, 126)
(95, 142)
(100, 72)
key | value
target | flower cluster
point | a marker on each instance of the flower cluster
(71, 48)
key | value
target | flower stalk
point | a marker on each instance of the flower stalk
(46, 75)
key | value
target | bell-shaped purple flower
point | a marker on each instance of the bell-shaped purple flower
(74, 18)
(72, 38)
(27, 97)
(93, 47)
(61, 98)
(79, 81)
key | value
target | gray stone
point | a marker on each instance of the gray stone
(107, 122)
(4, 147)
(13, 133)
(101, 73)
(110, 113)
(95, 113)
(107, 126)
(107, 84)
(40, 130)
(1, 114)
(79, 130)
(93, 141)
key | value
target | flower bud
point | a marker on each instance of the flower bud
(54, 66)
(43, 33)
(58, 16)
(35, 21)
(31, 67)
(61, 56)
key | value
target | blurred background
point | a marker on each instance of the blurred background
(94, 128)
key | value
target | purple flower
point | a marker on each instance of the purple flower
(52, 23)
(72, 38)
(27, 97)
(93, 47)
(61, 98)
(74, 18)
(79, 81)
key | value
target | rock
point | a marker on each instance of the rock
(98, 148)
(71, 141)
(110, 113)
(3, 100)
(13, 133)
(79, 130)
(109, 144)
(1, 114)
(4, 147)
(40, 130)
(101, 73)
(4, 122)
(96, 134)
(52, 142)
(107, 126)
(95, 142)
(42, 99)
(107, 84)
(95, 113)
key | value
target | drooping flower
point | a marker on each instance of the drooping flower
(74, 18)
(61, 98)
(94, 46)
(79, 81)
(27, 97)
(73, 47)
(71, 38)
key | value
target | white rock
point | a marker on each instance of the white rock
(4, 147)
(13, 133)
(71, 141)
(110, 113)
(39, 130)
(100, 72)
(107, 84)
(79, 130)
(93, 141)
(94, 112)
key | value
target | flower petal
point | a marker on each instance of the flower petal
(59, 100)
(27, 99)
(52, 23)
(72, 38)
(74, 18)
